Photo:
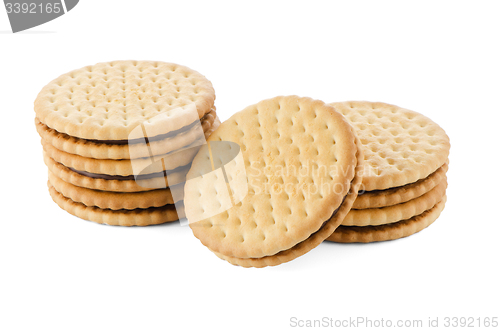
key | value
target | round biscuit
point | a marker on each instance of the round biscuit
(106, 101)
(400, 146)
(316, 238)
(283, 207)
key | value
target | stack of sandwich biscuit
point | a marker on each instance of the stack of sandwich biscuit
(119, 136)
(344, 172)
(124, 143)
(404, 176)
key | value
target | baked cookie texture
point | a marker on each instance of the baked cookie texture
(316, 238)
(96, 149)
(124, 217)
(392, 231)
(353, 171)
(281, 210)
(106, 101)
(397, 212)
(112, 200)
(393, 196)
(400, 146)
(106, 127)
(120, 183)
(404, 179)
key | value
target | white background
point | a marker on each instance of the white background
(439, 58)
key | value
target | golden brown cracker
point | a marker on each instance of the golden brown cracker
(401, 229)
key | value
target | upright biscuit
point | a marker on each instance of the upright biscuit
(290, 134)
(400, 146)
(316, 238)
(106, 101)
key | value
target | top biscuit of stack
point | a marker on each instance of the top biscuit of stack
(108, 100)
(400, 146)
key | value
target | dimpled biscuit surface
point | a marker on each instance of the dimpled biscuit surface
(299, 156)
(400, 146)
(316, 238)
(106, 101)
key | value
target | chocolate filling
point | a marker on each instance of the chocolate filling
(148, 140)
(397, 187)
(130, 177)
